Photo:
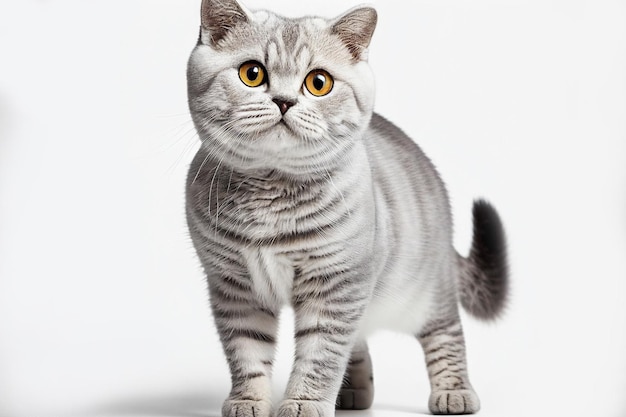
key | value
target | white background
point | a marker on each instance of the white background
(103, 308)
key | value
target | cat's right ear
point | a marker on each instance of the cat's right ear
(219, 17)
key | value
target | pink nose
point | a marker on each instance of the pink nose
(283, 105)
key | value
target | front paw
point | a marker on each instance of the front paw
(302, 408)
(454, 402)
(246, 408)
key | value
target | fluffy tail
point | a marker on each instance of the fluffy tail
(484, 273)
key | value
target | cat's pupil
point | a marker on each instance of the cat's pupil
(319, 81)
(253, 73)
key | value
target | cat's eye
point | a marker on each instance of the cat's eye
(319, 82)
(252, 74)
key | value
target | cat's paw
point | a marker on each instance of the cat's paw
(246, 408)
(355, 398)
(454, 402)
(299, 408)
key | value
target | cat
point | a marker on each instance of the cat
(300, 195)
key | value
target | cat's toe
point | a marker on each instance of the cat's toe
(355, 398)
(297, 408)
(246, 408)
(454, 402)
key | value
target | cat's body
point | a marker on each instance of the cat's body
(313, 201)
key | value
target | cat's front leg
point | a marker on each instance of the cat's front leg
(326, 326)
(248, 334)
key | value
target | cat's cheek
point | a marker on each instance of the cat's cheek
(341, 109)
(204, 65)
(363, 86)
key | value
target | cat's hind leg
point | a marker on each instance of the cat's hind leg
(357, 390)
(444, 351)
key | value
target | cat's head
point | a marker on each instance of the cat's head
(268, 92)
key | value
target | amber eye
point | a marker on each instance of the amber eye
(319, 82)
(252, 74)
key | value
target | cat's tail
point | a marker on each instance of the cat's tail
(484, 273)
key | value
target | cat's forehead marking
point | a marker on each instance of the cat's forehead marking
(287, 47)
(290, 34)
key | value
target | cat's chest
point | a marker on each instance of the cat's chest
(271, 274)
(269, 209)
(270, 200)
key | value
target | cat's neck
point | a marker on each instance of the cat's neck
(281, 173)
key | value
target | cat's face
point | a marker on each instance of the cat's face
(266, 92)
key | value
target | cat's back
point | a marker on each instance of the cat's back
(385, 132)
(400, 164)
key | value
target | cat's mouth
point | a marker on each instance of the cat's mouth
(283, 128)
(284, 125)
(264, 128)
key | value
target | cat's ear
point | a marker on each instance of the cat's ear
(355, 28)
(219, 17)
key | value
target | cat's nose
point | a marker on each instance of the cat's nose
(283, 104)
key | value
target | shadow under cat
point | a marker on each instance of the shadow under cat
(184, 404)
(209, 404)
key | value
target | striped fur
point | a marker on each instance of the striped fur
(326, 207)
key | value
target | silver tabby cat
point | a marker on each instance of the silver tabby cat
(300, 195)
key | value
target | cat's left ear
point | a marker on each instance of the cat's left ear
(355, 28)
(219, 17)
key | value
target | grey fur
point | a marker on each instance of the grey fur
(329, 208)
